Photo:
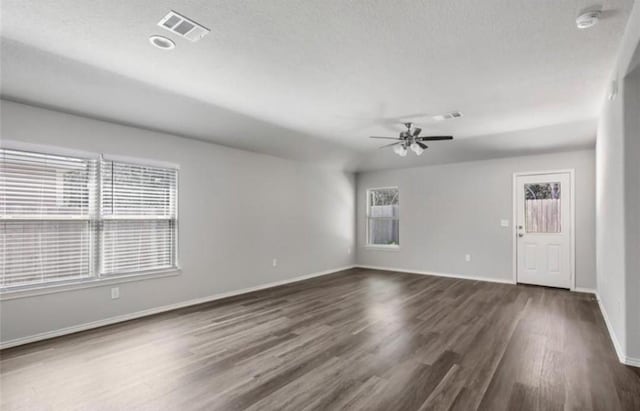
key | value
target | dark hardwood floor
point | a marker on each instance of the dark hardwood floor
(359, 339)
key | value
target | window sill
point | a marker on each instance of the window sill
(11, 294)
(382, 247)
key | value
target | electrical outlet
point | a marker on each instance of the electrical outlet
(349, 250)
(467, 258)
(275, 262)
(115, 293)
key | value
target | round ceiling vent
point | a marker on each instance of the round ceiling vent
(588, 19)
(162, 42)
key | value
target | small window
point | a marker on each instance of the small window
(383, 219)
(542, 208)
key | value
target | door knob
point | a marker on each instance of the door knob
(520, 234)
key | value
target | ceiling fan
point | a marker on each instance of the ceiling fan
(411, 139)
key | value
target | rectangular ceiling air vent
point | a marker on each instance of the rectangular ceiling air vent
(183, 26)
(448, 116)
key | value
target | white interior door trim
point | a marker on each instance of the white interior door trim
(572, 234)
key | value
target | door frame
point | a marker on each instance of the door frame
(572, 234)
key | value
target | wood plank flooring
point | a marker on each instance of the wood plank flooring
(359, 339)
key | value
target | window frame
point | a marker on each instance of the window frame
(94, 278)
(385, 247)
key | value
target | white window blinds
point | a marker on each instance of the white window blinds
(138, 212)
(67, 218)
(383, 221)
(46, 204)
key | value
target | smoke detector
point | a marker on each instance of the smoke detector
(588, 19)
(162, 42)
(183, 26)
(448, 116)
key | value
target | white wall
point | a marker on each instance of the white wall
(448, 211)
(618, 199)
(610, 251)
(632, 211)
(238, 210)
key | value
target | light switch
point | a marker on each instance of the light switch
(504, 223)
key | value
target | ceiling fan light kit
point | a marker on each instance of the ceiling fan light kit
(400, 150)
(411, 139)
(416, 148)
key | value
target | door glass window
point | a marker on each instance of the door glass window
(542, 208)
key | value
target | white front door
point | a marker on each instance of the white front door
(543, 229)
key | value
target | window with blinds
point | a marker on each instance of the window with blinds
(46, 217)
(138, 212)
(69, 218)
(383, 220)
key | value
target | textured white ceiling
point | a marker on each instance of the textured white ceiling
(312, 79)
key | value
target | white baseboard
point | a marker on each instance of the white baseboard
(460, 276)
(612, 334)
(622, 356)
(585, 290)
(157, 310)
(422, 272)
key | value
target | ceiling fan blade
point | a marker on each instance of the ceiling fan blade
(434, 138)
(416, 131)
(424, 146)
(385, 138)
(392, 144)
